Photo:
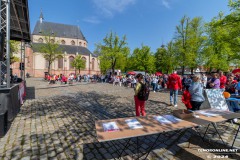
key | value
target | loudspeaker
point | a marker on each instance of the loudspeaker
(1, 46)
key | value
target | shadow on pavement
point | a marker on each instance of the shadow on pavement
(30, 93)
(63, 127)
(195, 154)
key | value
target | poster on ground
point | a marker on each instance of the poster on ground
(110, 127)
(133, 123)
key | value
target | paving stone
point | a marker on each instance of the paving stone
(64, 119)
(52, 154)
(107, 156)
(26, 158)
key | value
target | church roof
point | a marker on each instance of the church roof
(59, 30)
(69, 49)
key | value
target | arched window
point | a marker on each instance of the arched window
(93, 63)
(80, 43)
(83, 58)
(84, 44)
(73, 42)
(52, 41)
(60, 63)
(63, 42)
(40, 40)
(71, 58)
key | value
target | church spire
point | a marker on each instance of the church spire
(41, 17)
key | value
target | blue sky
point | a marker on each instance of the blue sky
(148, 22)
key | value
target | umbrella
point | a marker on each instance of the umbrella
(236, 71)
(131, 73)
(158, 73)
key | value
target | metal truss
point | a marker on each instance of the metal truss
(5, 29)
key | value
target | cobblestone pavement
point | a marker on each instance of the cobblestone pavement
(57, 122)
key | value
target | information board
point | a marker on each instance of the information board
(215, 99)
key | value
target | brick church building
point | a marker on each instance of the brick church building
(72, 43)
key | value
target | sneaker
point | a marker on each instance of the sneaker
(154, 91)
(235, 120)
(175, 105)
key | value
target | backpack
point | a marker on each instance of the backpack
(144, 92)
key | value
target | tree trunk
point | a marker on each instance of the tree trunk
(113, 67)
(183, 69)
(79, 71)
(49, 67)
(191, 70)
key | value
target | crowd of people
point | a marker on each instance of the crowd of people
(52, 79)
(191, 86)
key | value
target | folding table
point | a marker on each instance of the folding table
(223, 116)
(150, 127)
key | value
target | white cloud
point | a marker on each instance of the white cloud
(110, 7)
(166, 3)
(92, 19)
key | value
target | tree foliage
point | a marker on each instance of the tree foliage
(112, 52)
(189, 42)
(166, 60)
(79, 63)
(143, 60)
(214, 45)
(50, 50)
(14, 48)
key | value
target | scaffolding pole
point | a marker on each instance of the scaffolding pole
(8, 42)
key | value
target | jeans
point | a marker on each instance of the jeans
(173, 96)
(233, 106)
(154, 86)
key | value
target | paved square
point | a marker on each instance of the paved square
(57, 122)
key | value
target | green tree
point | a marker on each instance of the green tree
(79, 63)
(166, 60)
(181, 41)
(229, 30)
(196, 42)
(218, 53)
(50, 50)
(143, 60)
(189, 41)
(14, 48)
(112, 52)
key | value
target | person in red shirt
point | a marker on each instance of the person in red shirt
(174, 84)
(223, 80)
(64, 79)
(231, 84)
(186, 98)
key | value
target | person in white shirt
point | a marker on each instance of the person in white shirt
(154, 83)
(204, 80)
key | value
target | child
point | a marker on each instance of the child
(186, 98)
